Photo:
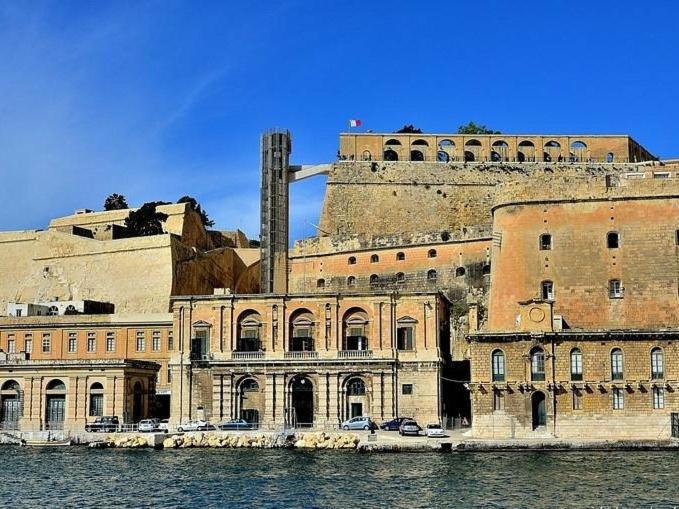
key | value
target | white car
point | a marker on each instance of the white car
(435, 431)
(148, 425)
(164, 426)
(197, 425)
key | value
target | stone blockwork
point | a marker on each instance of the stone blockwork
(578, 384)
(374, 199)
(595, 231)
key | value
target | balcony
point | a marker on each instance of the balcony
(301, 355)
(355, 354)
(247, 356)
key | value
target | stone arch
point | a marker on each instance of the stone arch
(472, 150)
(526, 151)
(552, 151)
(367, 156)
(301, 407)
(302, 326)
(10, 404)
(55, 404)
(578, 150)
(249, 331)
(96, 399)
(416, 155)
(250, 400)
(356, 395)
(355, 329)
(390, 155)
(500, 151)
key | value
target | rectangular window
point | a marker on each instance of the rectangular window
(96, 405)
(661, 174)
(72, 342)
(91, 342)
(46, 342)
(618, 399)
(11, 344)
(110, 341)
(141, 341)
(169, 375)
(498, 400)
(615, 289)
(577, 399)
(404, 338)
(170, 341)
(658, 397)
(28, 343)
(547, 290)
(18, 312)
(155, 341)
(407, 389)
(635, 175)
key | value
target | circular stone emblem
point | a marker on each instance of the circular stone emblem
(536, 314)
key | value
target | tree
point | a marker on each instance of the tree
(196, 207)
(115, 201)
(409, 128)
(146, 220)
(472, 128)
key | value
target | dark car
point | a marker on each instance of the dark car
(394, 424)
(103, 424)
(236, 424)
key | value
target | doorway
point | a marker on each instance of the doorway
(539, 409)
(356, 410)
(302, 403)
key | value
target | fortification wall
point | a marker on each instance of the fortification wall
(374, 199)
(580, 263)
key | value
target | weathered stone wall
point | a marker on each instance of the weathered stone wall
(394, 198)
(579, 214)
(595, 416)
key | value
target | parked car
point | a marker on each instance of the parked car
(103, 424)
(359, 423)
(236, 424)
(148, 425)
(435, 430)
(164, 425)
(409, 427)
(394, 424)
(197, 425)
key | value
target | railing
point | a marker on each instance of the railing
(301, 355)
(247, 355)
(355, 354)
(54, 425)
(9, 425)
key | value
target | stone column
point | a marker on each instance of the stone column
(218, 396)
(322, 414)
(377, 410)
(333, 401)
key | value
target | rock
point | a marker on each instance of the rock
(169, 443)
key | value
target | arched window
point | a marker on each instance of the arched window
(610, 157)
(431, 275)
(367, 156)
(617, 368)
(613, 240)
(423, 143)
(615, 289)
(400, 277)
(526, 151)
(374, 279)
(249, 332)
(356, 387)
(320, 283)
(352, 260)
(537, 365)
(578, 151)
(473, 143)
(351, 282)
(469, 156)
(547, 290)
(390, 155)
(576, 364)
(393, 142)
(374, 259)
(500, 151)
(485, 271)
(56, 385)
(302, 331)
(416, 155)
(53, 311)
(400, 256)
(545, 242)
(249, 385)
(355, 330)
(460, 271)
(431, 253)
(498, 365)
(657, 364)
(442, 156)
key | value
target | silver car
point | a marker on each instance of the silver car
(359, 423)
(409, 427)
(197, 425)
(148, 425)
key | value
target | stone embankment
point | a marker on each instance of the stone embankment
(320, 440)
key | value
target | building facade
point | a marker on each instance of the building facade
(309, 360)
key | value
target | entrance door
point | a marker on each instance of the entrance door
(356, 410)
(56, 410)
(10, 412)
(539, 409)
(302, 403)
(138, 403)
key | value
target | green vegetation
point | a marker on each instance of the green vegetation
(473, 128)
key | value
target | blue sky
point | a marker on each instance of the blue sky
(159, 99)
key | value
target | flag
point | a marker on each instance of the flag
(354, 122)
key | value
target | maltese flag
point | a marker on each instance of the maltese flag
(354, 122)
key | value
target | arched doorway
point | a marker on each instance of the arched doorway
(416, 155)
(539, 407)
(356, 400)
(390, 155)
(250, 401)
(138, 402)
(10, 407)
(468, 156)
(55, 411)
(302, 403)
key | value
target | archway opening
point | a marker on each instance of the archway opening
(357, 403)
(10, 406)
(416, 155)
(250, 401)
(55, 404)
(138, 402)
(390, 155)
(302, 403)
(539, 409)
